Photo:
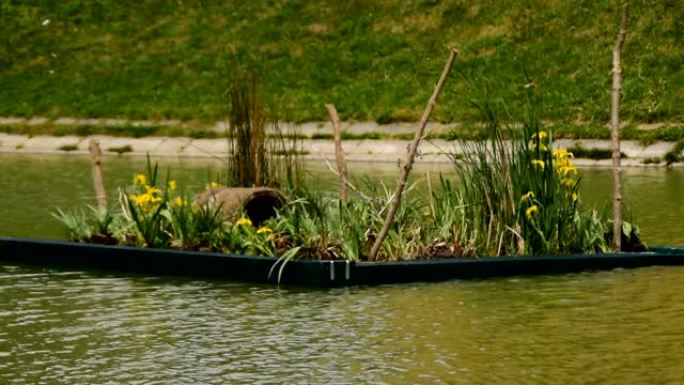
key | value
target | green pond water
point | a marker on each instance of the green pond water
(73, 327)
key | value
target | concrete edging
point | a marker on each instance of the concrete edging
(369, 150)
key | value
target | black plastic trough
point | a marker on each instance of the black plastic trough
(312, 273)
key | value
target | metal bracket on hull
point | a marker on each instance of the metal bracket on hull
(347, 270)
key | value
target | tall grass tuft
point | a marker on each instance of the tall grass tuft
(521, 195)
(258, 156)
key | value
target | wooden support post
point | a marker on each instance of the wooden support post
(615, 130)
(410, 156)
(339, 153)
(95, 156)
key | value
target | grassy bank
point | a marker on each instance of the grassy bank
(375, 60)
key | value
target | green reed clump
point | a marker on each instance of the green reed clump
(258, 156)
(521, 197)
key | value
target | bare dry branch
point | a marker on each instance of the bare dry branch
(615, 130)
(410, 157)
(95, 156)
(339, 153)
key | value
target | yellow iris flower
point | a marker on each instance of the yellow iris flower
(541, 135)
(527, 197)
(568, 182)
(152, 190)
(145, 200)
(244, 221)
(179, 202)
(538, 163)
(140, 180)
(264, 230)
(562, 154)
(532, 211)
(542, 147)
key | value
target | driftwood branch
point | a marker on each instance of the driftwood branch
(615, 130)
(410, 157)
(95, 156)
(339, 153)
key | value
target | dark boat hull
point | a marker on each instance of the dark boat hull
(312, 273)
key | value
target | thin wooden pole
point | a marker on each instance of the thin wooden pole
(95, 156)
(411, 155)
(615, 130)
(339, 153)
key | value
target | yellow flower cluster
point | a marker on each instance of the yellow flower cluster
(148, 200)
(539, 142)
(150, 197)
(244, 221)
(565, 168)
(212, 185)
(562, 165)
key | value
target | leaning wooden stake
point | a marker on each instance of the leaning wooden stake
(95, 155)
(413, 149)
(615, 130)
(339, 154)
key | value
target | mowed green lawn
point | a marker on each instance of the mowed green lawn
(376, 60)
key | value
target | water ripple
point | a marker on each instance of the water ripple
(609, 327)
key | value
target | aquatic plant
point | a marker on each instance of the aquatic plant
(143, 206)
(517, 196)
(521, 196)
(75, 224)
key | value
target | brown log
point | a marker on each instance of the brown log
(411, 155)
(339, 153)
(615, 130)
(95, 157)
